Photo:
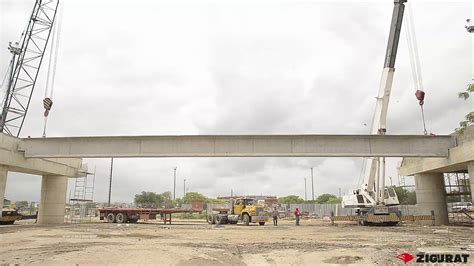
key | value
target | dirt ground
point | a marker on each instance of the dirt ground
(196, 242)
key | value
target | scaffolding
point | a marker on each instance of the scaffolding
(458, 196)
(402, 182)
(81, 199)
(458, 191)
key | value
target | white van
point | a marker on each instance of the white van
(462, 206)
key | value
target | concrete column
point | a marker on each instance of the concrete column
(53, 199)
(431, 195)
(3, 185)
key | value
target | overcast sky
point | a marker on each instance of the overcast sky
(238, 67)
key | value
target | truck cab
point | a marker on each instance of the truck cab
(245, 210)
(9, 213)
(248, 211)
(244, 206)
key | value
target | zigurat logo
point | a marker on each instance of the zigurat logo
(405, 257)
(434, 258)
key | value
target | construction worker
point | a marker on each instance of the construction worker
(275, 216)
(297, 216)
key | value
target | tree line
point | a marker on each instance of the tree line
(405, 196)
(158, 200)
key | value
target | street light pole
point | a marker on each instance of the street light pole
(110, 180)
(305, 196)
(184, 188)
(174, 184)
(312, 184)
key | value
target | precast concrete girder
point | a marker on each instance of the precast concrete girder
(239, 146)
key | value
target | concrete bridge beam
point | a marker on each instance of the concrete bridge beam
(53, 199)
(238, 146)
(431, 195)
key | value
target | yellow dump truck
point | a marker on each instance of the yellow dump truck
(243, 210)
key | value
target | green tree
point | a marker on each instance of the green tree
(178, 202)
(22, 204)
(190, 196)
(290, 199)
(453, 198)
(148, 199)
(167, 199)
(215, 201)
(405, 196)
(411, 197)
(469, 118)
(335, 200)
(327, 198)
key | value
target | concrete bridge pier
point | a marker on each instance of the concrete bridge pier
(431, 195)
(53, 199)
(470, 170)
(3, 184)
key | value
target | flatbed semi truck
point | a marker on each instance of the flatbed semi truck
(132, 215)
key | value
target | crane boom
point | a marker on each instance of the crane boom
(25, 65)
(372, 192)
(394, 35)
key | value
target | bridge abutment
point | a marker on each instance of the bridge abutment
(431, 196)
(53, 199)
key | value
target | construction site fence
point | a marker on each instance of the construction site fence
(319, 210)
(322, 210)
(386, 218)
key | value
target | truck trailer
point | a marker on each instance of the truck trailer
(132, 215)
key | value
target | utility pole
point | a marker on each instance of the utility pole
(110, 181)
(174, 183)
(312, 184)
(340, 193)
(305, 196)
(184, 188)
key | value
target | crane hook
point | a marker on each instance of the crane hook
(420, 96)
